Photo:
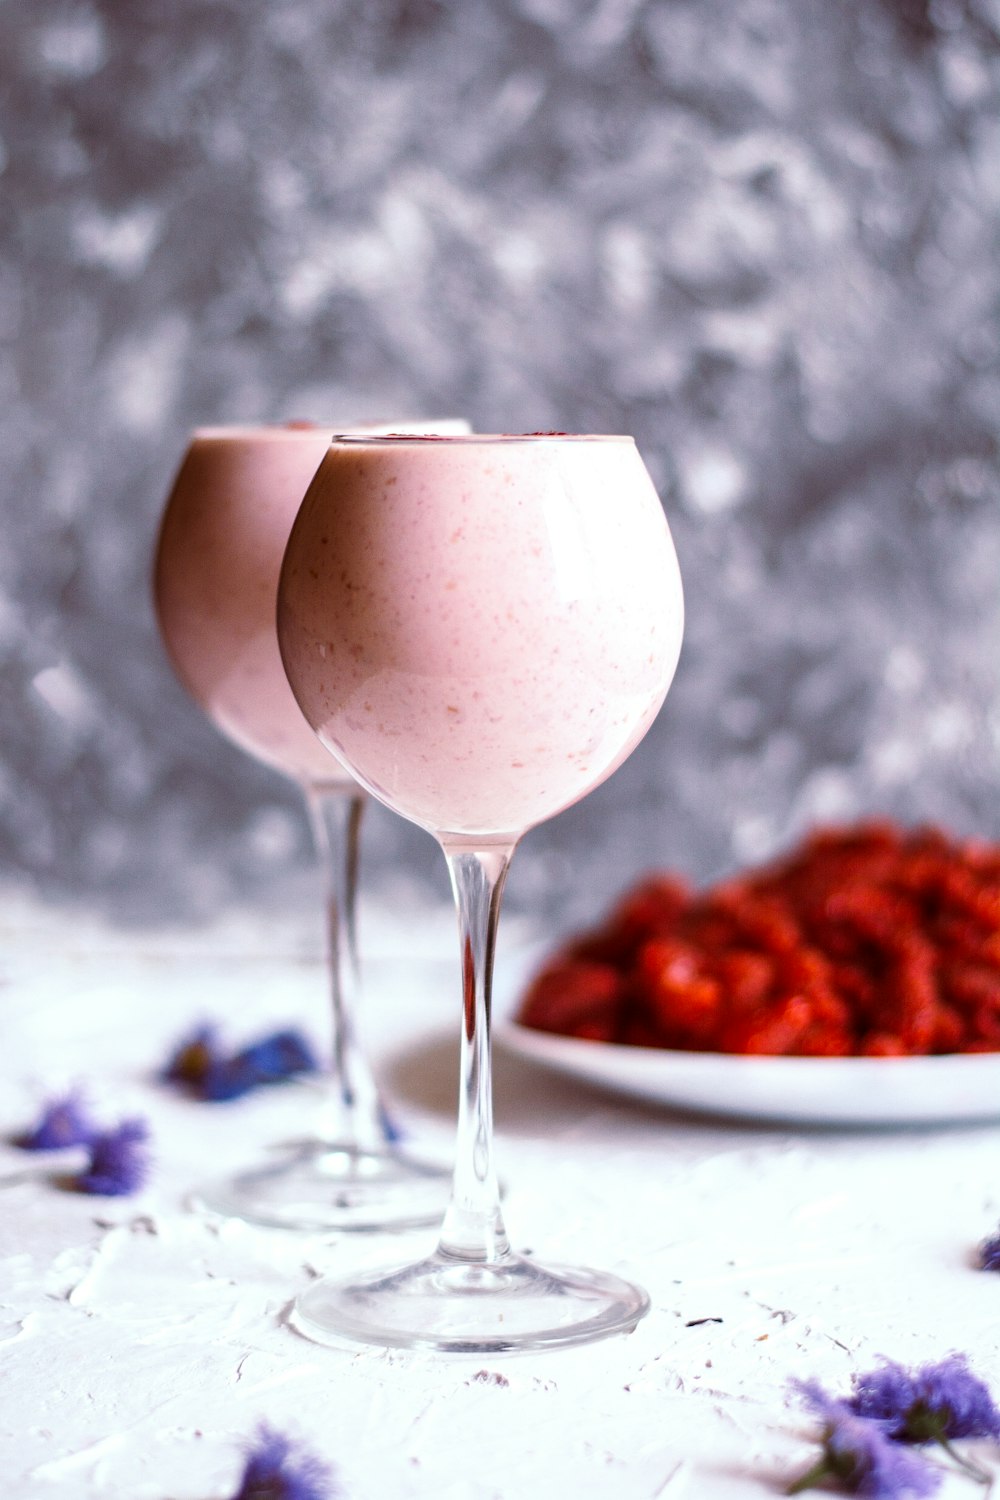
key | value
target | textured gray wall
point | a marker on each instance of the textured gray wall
(761, 236)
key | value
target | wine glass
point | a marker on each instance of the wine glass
(218, 558)
(482, 629)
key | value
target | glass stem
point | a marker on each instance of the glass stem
(354, 1116)
(473, 1227)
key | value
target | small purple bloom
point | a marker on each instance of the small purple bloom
(859, 1456)
(119, 1161)
(64, 1122)
(227, 1078)
(989, 1253)
(280, 1055)
(275, 1471)
(868, 1463)
(933, 1403)
(199, 1065)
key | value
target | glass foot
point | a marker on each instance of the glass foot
(460, 1307)
(327, 1187)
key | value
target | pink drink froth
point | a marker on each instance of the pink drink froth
(483, 628)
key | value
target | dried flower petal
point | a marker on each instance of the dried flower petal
(64, 1122)
(206, 1072)
(119, 1161)
(989, 1253)
(280, 1055)
(859, 1456)
(275, 1471)
(929, 1404)
(227, 1078)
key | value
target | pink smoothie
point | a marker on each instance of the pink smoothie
(483, 628)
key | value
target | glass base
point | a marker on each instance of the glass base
(322, 1187)
(458, 1307)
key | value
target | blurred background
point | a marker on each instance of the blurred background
(761, 237)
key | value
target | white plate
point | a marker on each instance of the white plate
(809, 1090)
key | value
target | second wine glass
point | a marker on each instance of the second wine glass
(217, 563)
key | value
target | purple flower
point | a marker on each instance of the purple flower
(989, 1253)
(227, 1078)
(275, 1471)
(206, 1072)
(933, 1403)
(119, 1161)
(64, 1122)
(859, 1456)
(278, 1056)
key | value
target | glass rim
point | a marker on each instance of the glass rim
(500, 439)
(264, 430)
(286, 431)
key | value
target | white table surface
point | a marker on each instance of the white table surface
(142, 1342)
